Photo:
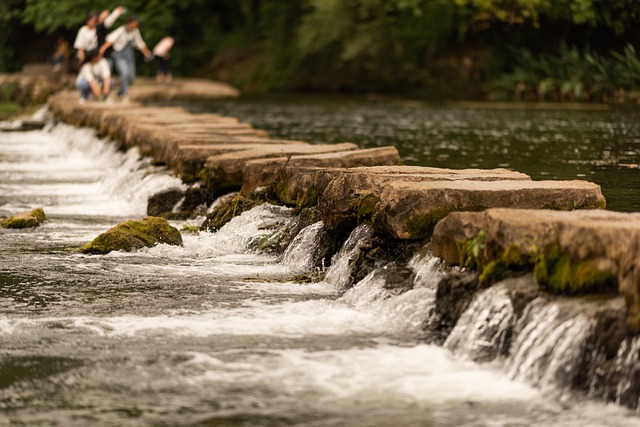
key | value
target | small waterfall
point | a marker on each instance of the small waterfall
(548, 346)
(427, 269)
(339, 275)
(125, 176)
(379, 285)
(482, 332)
(303, 252)
(627, 367)
(245, 232)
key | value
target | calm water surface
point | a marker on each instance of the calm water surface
(598, 146)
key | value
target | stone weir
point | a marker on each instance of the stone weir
(495, 224)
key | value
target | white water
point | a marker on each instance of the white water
(213, 328)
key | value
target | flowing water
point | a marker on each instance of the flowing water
(598, 146)
(217, 333)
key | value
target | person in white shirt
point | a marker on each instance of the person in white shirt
(94, 77)
(123, 40)
(86, 39)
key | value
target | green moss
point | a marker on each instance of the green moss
(365, 207)
(193, 229)
(310, 198)
(421, 226)
(263, 241)
(558, 272)
(492, 272)
(26, 220)
(131, 235)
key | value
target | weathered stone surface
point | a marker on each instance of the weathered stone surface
(410, 210)
(182, 88)
(261, 172)
(131, 235)
(165, 146)
(571, 252)
(225, 172)
(305, 185)
(352, 194)
(25, 219)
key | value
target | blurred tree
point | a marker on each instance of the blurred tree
(10, 12)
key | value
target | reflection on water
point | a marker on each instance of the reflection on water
(598, 146)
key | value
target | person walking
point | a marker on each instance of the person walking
(106, 20)
(94, 77)
(86, 39)
(123, 40)
(161, 54)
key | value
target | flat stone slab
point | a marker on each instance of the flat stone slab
(227, 171)
(410, 210)
(355, 184)
(261, 172)
(182, 88)
(167, 148)
(570, 252)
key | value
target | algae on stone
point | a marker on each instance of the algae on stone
(135, 234)
(25, 220)
(558, 272)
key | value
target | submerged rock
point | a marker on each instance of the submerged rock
(31, 219)
(131, 235)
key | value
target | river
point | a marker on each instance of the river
(215, 333)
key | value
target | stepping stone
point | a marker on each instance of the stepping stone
(573, 252)
(261, 172)
(410, 210)
(226, 172)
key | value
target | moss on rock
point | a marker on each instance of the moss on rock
(25, 220)
(225, 212)
(558, 272)
(135, 234)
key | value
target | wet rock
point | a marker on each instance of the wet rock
(163, 202)
(453, 296)
(352, 195)
(379, 251)
(570, 252)
(279, 242)
(135, 234)
(225, 172)
(262, 172)
(226, 210)
(31, 219)
(411, 210)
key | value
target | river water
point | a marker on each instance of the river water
(593, 145)
(215, 333)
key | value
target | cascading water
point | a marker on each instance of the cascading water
(547, 347)
(215, 332)
(483, 329)
(301, 253)
(338, 275)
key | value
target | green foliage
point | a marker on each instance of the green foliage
(572, 75)
(369, 45)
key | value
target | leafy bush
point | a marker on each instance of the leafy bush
(571, 75)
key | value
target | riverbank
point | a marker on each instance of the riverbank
(345, 186)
